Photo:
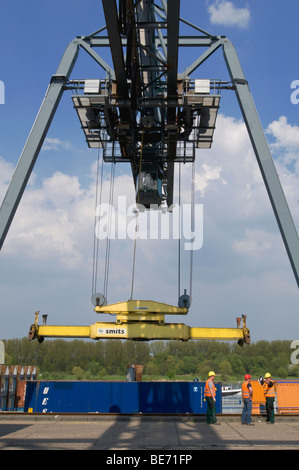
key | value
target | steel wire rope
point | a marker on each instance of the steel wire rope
(137, 213)
(192, 225)
(99, 192)
(191, 231)
(179, 236)
(95, 237)
(108, 239)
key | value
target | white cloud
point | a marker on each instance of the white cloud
(225, 13)
(285, 148)
(43, 229)
(56, 144)
(238, 217)
(6, 173)
(62, 189)
(206, 174)
(229, 171)
(255, 243)
(285, 134)
(56, 221)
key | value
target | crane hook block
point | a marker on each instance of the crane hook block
(184, 300)
(98, 300)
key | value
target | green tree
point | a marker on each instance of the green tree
(78, 372)
(151, 369)
(115, 361)
(225, 369)
(236, 364)
(93, 368)
(190, 364)
(282, 373)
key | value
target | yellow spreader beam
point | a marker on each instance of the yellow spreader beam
(140, 320)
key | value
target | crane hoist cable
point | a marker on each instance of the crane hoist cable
(98, 202)
(95, 238)
(108, 239)
(137, 213)
(179, 236)
(191, 229)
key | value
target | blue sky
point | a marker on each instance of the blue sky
(242, 268)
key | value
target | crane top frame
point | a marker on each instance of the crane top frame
(144, 108)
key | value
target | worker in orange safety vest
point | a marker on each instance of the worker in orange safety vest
(210, 396)
(247, 394)
(269, 393)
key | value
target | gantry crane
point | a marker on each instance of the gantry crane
(138, 113)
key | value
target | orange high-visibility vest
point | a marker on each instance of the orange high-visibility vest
(245, 390)
(269, 392)
(207, 392)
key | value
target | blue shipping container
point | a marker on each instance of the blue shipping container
(118, 397)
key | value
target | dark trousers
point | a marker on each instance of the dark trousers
(211, 411)
(270, 409)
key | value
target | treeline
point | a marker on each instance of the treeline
(101, 359)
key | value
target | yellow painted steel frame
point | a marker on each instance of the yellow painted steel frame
(140, 320)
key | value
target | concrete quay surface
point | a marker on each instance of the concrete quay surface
(153, 433)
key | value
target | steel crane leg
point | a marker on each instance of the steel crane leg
(36, 138)
(263, 156)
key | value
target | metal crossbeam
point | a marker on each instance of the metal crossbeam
(149, 326)
(111, 17)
